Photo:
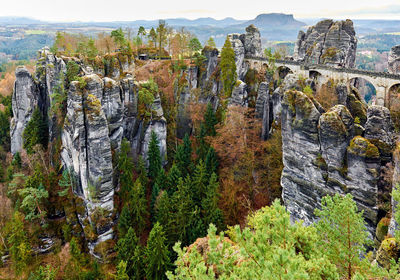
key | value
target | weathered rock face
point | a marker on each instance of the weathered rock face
(263, 108)
(239, 95)
(238, 47)
(87, 155)
(25, 99)
(328, 42)
(252, 42)
(100, 112)
(50, 72)
(394, 60)
(113, 109)
(394, 226)
(248, 44)
(322, 155)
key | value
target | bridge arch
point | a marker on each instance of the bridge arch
(282, 71)
(394, 97)
(366, 88)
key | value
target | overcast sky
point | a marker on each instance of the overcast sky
(122, 10)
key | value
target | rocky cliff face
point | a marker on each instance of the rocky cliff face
(322, 154)
(25, 99)
(100, 112)
(245, 45)
(394, 60)
(328, 42)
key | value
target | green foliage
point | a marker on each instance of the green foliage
(153, 156)
(211, 161)
(147, 94)
(32, 199)
(210, 120)
(17, 239)
(121, 271)
(119, 37)
(125, 168)
(36, 132)
(17, 161)
(209, 204)
(211, 43)
(156, 253)
(194, 45)
(270, 247)
(183, 156)
(43, 273)
(138, 206)
(73, 70)
(65, 183)
(130, 251)
(4, 129)
(342, 234)
(396, 197)
(124, 221)
(228, 67)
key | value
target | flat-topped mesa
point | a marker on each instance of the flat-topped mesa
(328, 42)
(394, 60)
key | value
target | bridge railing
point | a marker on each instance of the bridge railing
(306, 66)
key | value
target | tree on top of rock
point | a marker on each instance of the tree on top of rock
(119, 37)
(228, 67)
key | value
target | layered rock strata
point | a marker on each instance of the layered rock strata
(328, 42)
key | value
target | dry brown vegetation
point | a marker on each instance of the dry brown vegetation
(326, 95)
(250, 168)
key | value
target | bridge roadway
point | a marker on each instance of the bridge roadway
(382, 81)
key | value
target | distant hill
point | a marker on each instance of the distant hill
(275, 20)
(19, 21)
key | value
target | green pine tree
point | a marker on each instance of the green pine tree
(19, 247)
(157, 258)
(121, 271)
(36, 132)
(202, 146)
(130, 251)
(228, 67)
(342, 233)
(154, 157)
(138, 205)
(183, 156)
(199, 183)
(210, 120)
(125, 220)
(172, 179)
(211, 213)
(211, 161)
(125, 168)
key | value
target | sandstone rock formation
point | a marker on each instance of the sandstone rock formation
(323, 155)
(100, 112)
(25, 99)
(328, 42)
(245, 45)
(263, 108)
(394, 60)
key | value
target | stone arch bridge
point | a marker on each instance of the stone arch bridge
(382, 81)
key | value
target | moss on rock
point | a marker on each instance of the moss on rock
(360, 146)
(388, 250)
